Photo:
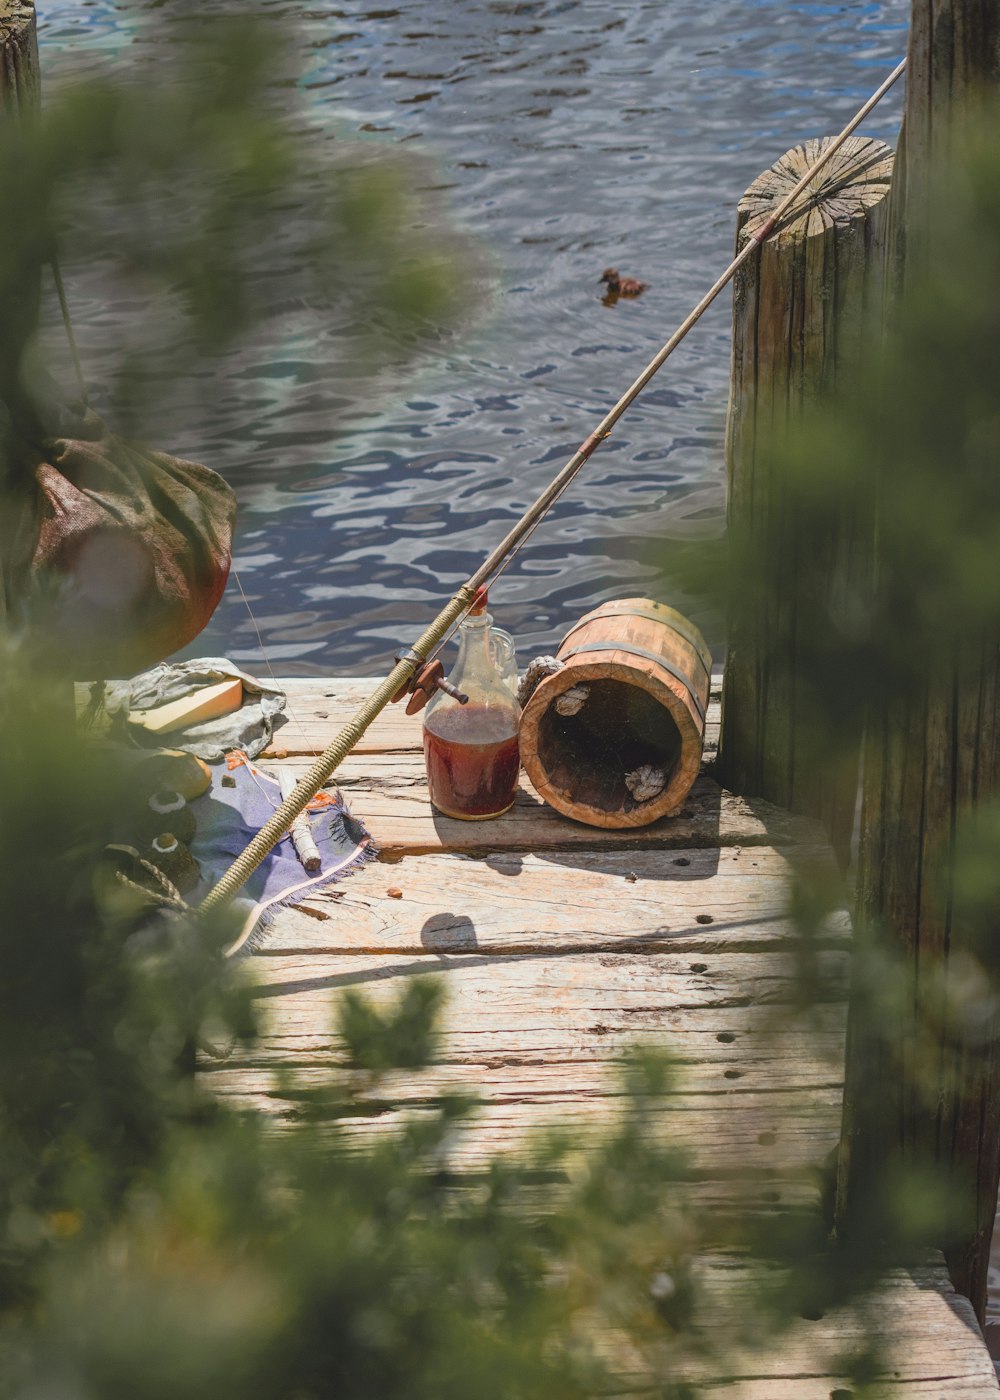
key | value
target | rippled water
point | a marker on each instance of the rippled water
(570, 135)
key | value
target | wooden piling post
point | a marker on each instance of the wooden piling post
(930, 759)
(19, 82)
(20, 100)
(952, 87)
(801, 311)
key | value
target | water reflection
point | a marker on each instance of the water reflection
(568, 136)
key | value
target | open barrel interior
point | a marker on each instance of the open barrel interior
(619, 728)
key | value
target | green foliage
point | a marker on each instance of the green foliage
(157, 1243)
(95, 1021)
(406, 1037)
(196, 188)
(154, 1243)
(910, 440)
(880, 543)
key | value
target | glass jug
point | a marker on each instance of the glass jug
(471, 749)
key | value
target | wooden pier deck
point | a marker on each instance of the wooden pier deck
(561, 945)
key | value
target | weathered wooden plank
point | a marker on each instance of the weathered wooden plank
(927, 1339)
(649, 988)
(783, 1139)
(302, 1034)
(739, 1136)
(702, 1065)
(698, 901)
(762, 1069)
(945, 1386)
(317, 708)
(783, 1120)
(389, 793)
(729, 1203)
(945, 1319)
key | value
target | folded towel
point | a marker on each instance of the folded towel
(241, 799)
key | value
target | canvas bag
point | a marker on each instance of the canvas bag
(127, 551)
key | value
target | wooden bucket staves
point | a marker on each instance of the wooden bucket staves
(615, 737)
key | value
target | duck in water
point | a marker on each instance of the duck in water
(619, 286)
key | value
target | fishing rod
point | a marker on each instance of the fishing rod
(414, 658)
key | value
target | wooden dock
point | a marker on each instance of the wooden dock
(561, 945)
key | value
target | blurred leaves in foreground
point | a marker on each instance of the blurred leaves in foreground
(866, 579)
(910, 440)
(155, 1242)
(190, 188)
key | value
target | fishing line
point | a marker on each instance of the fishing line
(68, 325)
(762, 234)
(266, 659)
(499, 572)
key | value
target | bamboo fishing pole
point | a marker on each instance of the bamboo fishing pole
(408, 661)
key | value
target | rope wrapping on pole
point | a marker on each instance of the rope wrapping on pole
(499, 559)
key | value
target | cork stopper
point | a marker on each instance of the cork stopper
(479, 603)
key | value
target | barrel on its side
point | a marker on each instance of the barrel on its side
(615, 737)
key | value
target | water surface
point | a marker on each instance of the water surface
(568, 135)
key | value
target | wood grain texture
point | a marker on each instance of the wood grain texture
(933, 758)
(317, 708)
(801, 312)
(697, 901)
(498, 1078)
(744, 1111)
(20, 98)
(299, 1028)
(929, 760)
(927, 1341)
(922, 1328)
(575, 764)
(556, 963)
(952, 80)
(389, 793)
(19, 78)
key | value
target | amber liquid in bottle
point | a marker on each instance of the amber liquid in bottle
(472, 760)
(470, 742)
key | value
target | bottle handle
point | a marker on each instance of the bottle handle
(503, 647)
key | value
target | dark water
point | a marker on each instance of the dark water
(569, 136)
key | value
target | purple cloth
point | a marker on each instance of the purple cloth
(233, 810)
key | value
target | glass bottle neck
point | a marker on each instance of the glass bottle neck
(474, 642)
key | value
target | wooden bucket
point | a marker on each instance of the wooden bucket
(638, 719)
